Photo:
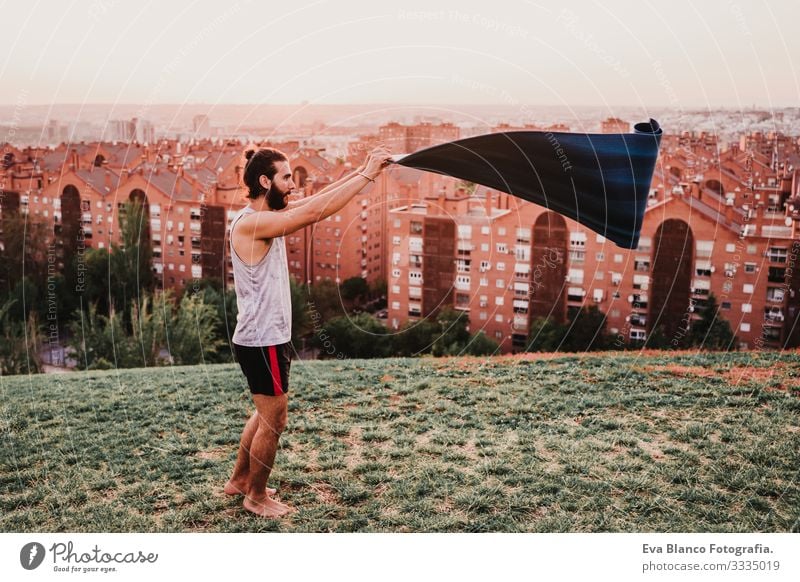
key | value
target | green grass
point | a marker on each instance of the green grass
(654, 442)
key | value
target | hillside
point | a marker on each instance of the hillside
(643, 441)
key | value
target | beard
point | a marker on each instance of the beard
(276, 198)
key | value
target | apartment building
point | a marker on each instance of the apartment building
(505, 261)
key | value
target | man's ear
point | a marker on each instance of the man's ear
(264, 181)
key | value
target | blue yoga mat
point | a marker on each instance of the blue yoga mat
(600, 180)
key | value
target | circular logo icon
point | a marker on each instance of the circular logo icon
(31, 555)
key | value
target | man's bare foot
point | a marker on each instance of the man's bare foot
(232, 488)
(267, 507)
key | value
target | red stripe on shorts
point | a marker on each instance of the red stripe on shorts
(275, 370)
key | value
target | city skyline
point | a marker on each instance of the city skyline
(716, 55)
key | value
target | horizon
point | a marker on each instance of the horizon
(580, 54)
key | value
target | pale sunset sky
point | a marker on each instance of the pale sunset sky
(685, 53)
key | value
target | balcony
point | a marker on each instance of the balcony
(638, 319)
(773, 315)
(775, 295)
(776, 275)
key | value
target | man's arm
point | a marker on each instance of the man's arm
(326, 189)
(265, 225)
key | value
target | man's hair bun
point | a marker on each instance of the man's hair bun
(261, 162)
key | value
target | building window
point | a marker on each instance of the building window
(747, 308)
(575, 276)
(749, 267)
(599, 275)
(577, 240)
(462, 282)
(747, 288)
(704, 248)
(730, 247)
(617, 258)
(777, 254)
(725, 305)
(744, 327)
(575, 293)
(600, 257)
(638, 334)
(416, 227)
(501, 284)
(502, 248)
(501, 266)
(464, 231)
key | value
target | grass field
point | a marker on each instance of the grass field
(634, 442)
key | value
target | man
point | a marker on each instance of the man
(264, 324)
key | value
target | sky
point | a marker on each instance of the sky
(682, 54)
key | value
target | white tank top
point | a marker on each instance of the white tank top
(262, 295)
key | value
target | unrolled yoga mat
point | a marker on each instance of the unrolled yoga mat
(600, 180)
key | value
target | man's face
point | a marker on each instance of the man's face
(281, 186)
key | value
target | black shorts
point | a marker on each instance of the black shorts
(266, 368)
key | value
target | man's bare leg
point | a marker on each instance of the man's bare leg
(272, 412)
(238, 484)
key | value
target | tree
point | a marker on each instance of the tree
(354, 290)
(415, 338)
(160, 331)
(19, 343)
(587, 331)
(711, 331)
(360, 336)
(131, 268)
(453, 333)
(657, 340)
(191, 332)
(24, 251)
(301, 322)
(482, 345)
(545, 335)
(324, 302)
